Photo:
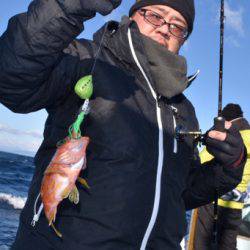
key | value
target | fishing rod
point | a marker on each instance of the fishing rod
(222, 20)
(219, 122)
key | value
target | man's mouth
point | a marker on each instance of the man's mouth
(161, 41)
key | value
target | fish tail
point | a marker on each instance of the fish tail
(56, 231)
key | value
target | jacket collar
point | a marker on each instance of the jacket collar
(114, 36)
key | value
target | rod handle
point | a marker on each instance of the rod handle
(219, 124)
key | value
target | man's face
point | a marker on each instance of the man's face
(161, 34)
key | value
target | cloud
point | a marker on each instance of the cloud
(7, 129)
(232, 41)
(19, 145)
(234, 24)
(19, 141)
(234, 19)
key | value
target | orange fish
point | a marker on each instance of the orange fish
(60, 176)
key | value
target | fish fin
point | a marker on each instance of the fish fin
(54, 171)
(83, 182)
(74, 195)
(52, 217)
(56, 231)
(65, 193)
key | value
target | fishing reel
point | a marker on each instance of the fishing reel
(181, 132)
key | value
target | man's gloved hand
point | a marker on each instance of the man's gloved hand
(78, 7)
(226, 147)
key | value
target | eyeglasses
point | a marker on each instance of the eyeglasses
(157, 21)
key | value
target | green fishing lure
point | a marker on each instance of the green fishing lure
(84, 87)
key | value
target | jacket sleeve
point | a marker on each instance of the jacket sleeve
(204, 179)
(34, 70)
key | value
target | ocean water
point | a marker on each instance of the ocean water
(15, 175)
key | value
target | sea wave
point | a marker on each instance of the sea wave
(17, 202)
(4, 247)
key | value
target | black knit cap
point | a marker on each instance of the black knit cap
(232, 111)
(185, 7)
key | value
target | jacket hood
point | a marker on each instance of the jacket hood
(241, 123)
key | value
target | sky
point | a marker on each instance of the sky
(24, 133)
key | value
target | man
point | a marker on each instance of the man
(230, 204)
(136, 168)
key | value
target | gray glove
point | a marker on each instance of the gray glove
(81, 7)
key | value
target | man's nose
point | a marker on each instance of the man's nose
(164, 29)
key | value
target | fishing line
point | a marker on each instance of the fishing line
(99, 49)
(84, 89)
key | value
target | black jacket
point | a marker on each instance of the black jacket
(138, 177)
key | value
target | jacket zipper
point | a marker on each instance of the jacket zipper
(175, 111)
(160, 151)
